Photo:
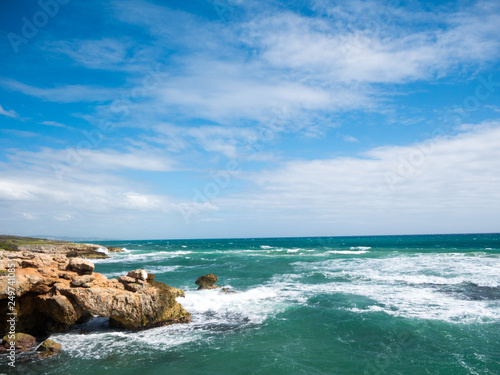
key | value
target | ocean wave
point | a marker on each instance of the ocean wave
(133, 257)
(456, 288)
(361, 248)
(346, 251)
(104, 343)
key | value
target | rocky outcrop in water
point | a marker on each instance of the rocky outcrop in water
(54, 292)
(207, 282)
(20, 341)
(48, 348)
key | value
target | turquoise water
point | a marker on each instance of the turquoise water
(342, 305)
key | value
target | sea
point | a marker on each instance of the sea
(417, 304)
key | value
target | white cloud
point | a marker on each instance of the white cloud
(20, 133)
(10, 113)
(53, 123)
(62, 94)
(355, 48)
(105, 53)
(446, 183)
(350, 138)
(73, 160)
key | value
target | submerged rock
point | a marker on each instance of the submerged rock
(207, 282)
(54, 292)
(48, 348)
(115, 250)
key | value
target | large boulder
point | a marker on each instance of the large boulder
(207, 282)
(138, 274)
(21, 341)
(81, 266)
(84, 281)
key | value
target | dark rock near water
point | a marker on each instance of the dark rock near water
(21, 341)
(48, 348)
(115, 250)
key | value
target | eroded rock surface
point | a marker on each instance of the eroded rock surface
(54, 292)
(48, 348)
(207, 282)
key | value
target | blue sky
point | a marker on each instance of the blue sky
(241, 118)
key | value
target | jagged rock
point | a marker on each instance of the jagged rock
(138, 274)
(207, 281)
(227, 291)
(115, 249)
(48, 348)
(126, 279)
(49, 299)
(84, 281)
(81, 266)
(21, 341)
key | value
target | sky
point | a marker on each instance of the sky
(161, 119)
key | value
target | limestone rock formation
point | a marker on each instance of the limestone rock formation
(207, 282)
(54, 292)
(81, 266)
(21, 341)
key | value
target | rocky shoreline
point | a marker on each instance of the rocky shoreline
(56, 288)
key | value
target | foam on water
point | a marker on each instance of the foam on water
(457, 288)
(102, 250)
(251, 306)
(136, 257)
(361, 248)
(346, 251)
(104, 343)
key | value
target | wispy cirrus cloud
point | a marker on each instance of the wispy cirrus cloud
(97, 160)
(9, 113)
(378, 47)
(105, 53)
(53, 123)
(62, 94)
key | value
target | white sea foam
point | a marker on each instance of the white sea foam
(251, 306)
(361, 248)
(134, 256)
(102, 250)
(266, 247)
(109, 343)
(346, 251)
(427, 286)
